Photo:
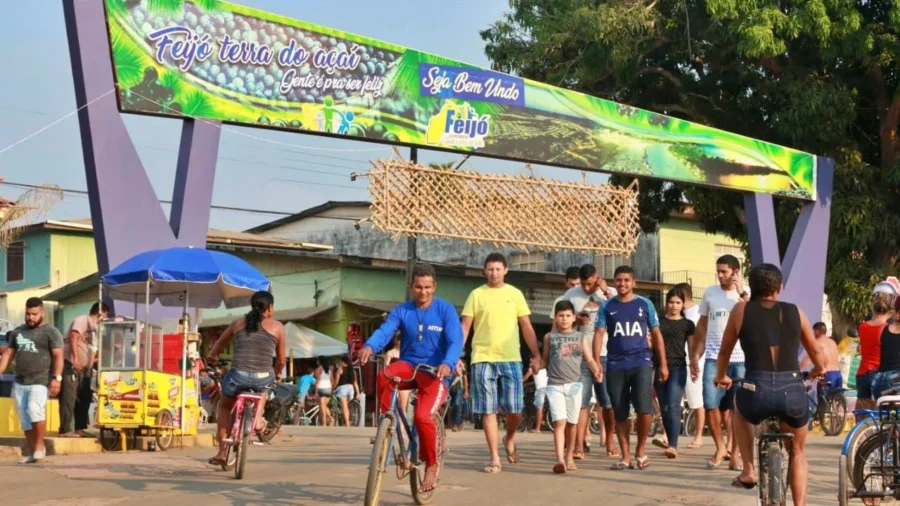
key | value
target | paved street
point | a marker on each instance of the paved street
(319, 466)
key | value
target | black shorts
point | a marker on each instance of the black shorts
(762, 395)
(631, 387)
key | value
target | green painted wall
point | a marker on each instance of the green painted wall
(65, 313)
(684, 247)
(72, 257)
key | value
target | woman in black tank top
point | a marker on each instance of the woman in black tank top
(770, 334)
(257, 337)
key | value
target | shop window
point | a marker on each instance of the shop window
(15, 262)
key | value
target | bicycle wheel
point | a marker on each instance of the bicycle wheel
(164, 437)
(833, 414)
(109, 439)
(378, 464)
(414, 478)
(595, 423)
(868, 461)
(771, 484)
(856, 440)
(246, 431)
(689, 426)
(843, 487)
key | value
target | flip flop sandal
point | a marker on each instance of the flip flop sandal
(578, 455)
(216, 461)
(739, 483)
(671, 453)
(620, 465)
(511, 456)
(659, 443)
(425, 489)
(493, 469)
(710, 465)
(559, 469)
(643, 462)
(694, 446)
(613, 453)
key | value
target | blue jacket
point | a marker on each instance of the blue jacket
(441, 331)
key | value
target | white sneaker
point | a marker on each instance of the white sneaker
(34, 457)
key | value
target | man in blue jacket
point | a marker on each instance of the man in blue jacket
(430, 333)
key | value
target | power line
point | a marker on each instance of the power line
(220, 208)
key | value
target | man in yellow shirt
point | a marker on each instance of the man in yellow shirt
(498, 311)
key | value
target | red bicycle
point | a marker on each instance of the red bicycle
(247, 409)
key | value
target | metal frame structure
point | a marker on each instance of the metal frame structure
(128, 218)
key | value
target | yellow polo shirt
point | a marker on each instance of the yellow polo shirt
(496, 313)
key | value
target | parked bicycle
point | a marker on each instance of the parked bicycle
(396, 426)
(875, 471)
(830, 410)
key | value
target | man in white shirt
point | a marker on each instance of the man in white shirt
(718, 301)
(588, 297)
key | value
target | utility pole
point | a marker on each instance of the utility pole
(411, 239)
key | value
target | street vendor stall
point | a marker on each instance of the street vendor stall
(147, 383)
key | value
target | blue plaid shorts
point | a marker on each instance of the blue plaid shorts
(497, 385)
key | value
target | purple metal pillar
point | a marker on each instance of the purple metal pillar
(125, 210)
(805, 260)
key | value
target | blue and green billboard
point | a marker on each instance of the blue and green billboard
(219, 61)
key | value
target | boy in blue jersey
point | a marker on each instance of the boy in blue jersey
(430, 333)
(631, 322)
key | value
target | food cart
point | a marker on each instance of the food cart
(137, 394)
(147, 385)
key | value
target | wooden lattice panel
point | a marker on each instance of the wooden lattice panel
(517, 211)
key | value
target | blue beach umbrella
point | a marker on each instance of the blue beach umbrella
(206, 278)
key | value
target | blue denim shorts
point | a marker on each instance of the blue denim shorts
(762, 395)
(713, 395)
(236, 381)
(864, 386)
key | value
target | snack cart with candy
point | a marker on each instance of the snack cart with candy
(147, 379)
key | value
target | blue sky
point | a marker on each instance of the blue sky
(37, 90)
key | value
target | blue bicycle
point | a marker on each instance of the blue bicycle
(867, 424)
(405, 453)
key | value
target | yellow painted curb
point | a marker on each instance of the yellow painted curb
(78, 446)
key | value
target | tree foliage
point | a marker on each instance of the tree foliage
(822, 76)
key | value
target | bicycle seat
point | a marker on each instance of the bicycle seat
(888, 399)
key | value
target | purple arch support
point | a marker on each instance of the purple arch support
(804, 262)
(126, 213)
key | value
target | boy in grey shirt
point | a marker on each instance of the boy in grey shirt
(562, 357)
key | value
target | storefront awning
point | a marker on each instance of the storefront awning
(304, 313)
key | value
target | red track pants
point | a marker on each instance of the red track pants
(432, 392)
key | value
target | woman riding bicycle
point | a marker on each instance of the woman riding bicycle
(770, 333)
(257, 337)
(430, 333)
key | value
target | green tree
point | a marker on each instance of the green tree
(822, 76)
